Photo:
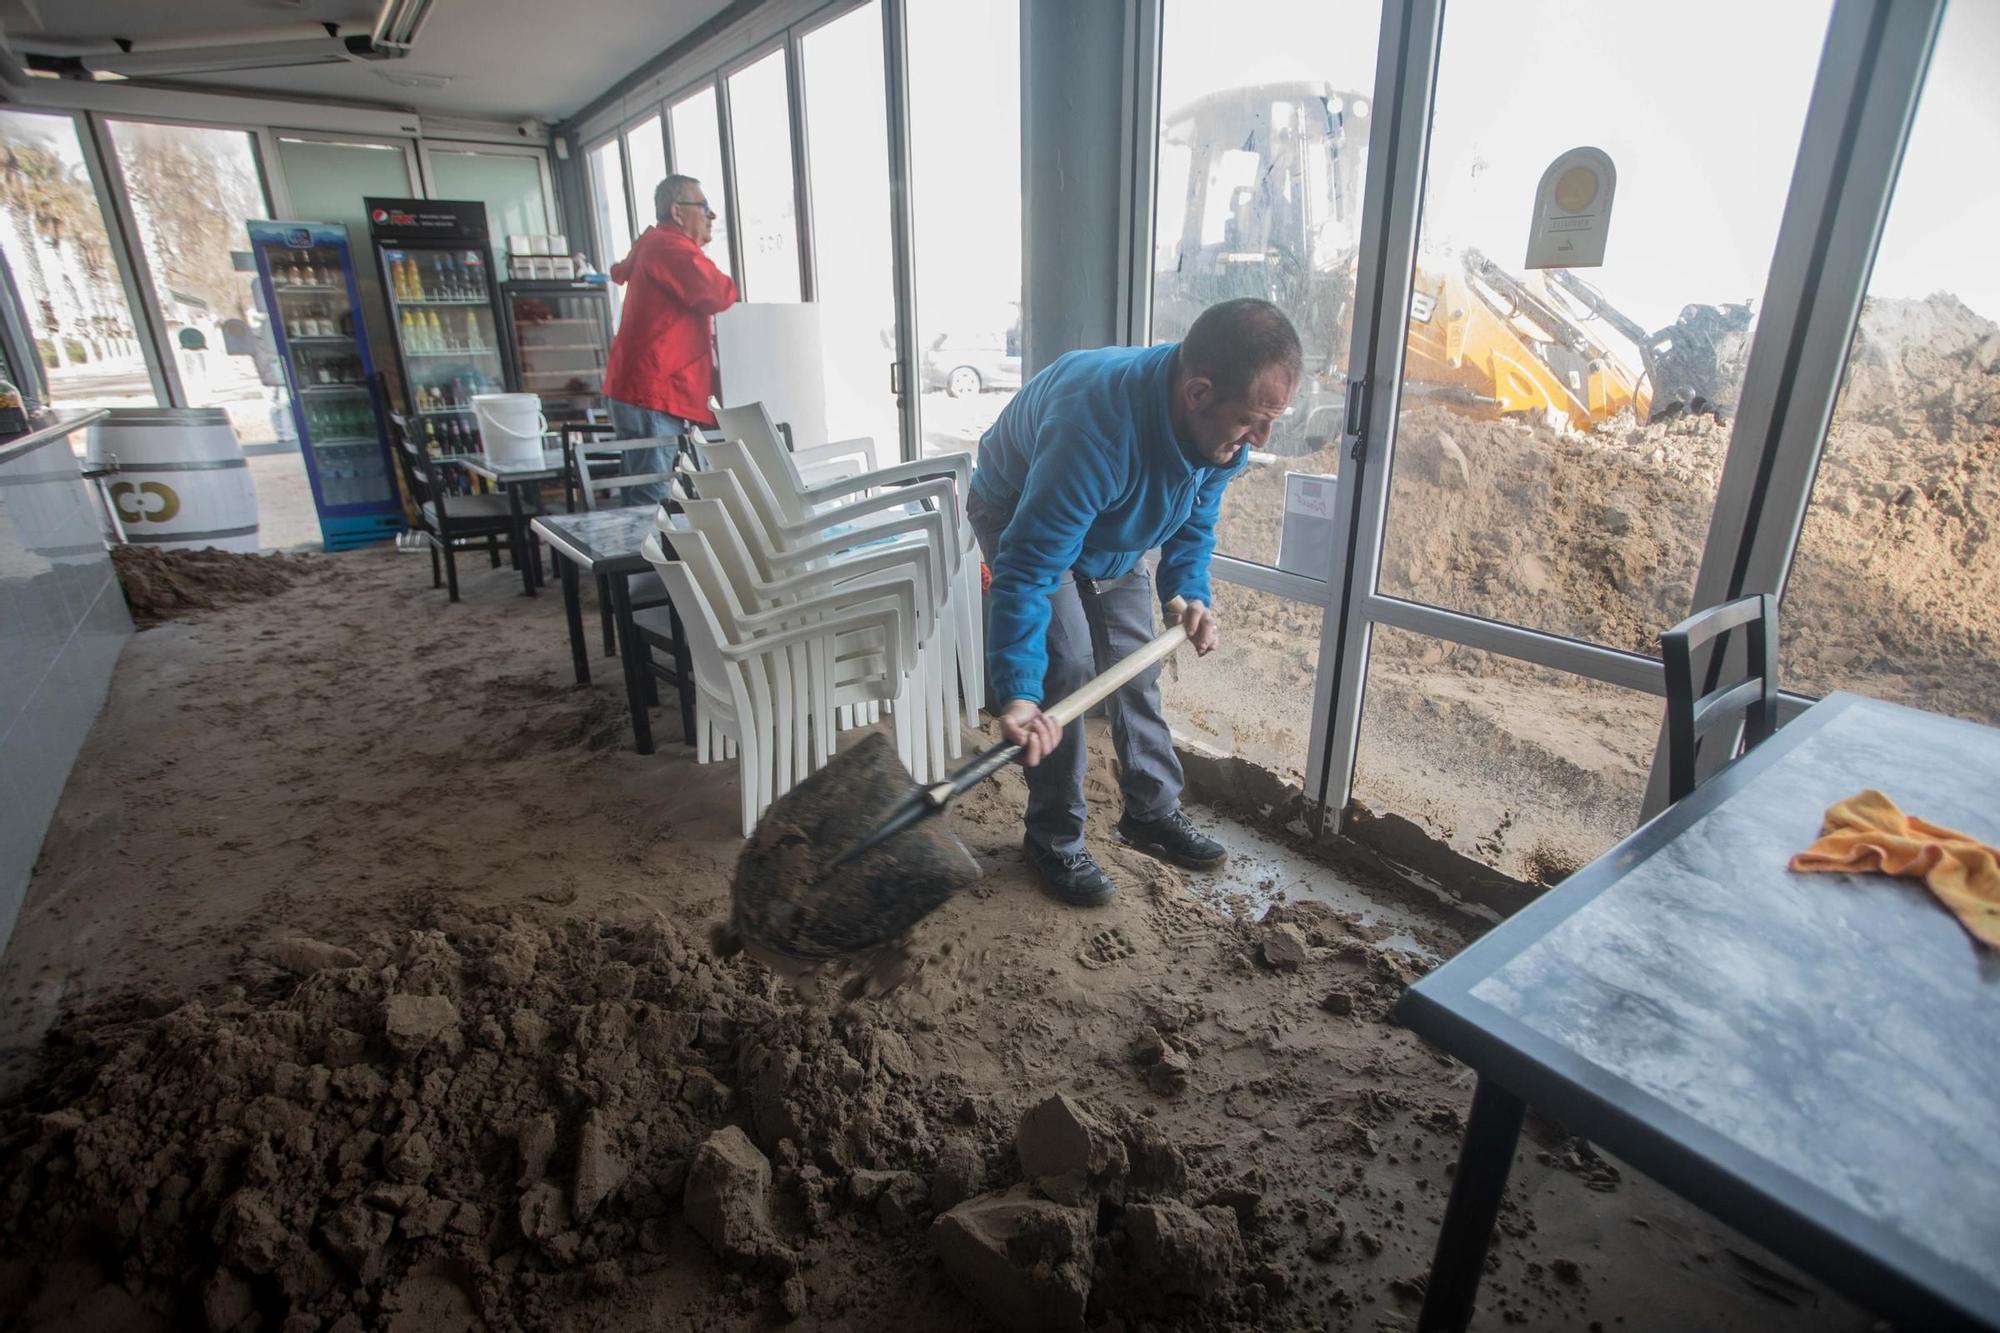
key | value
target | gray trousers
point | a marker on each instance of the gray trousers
(1089, 629)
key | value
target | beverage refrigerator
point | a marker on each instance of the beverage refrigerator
(437, 272)
(559, 338)
(306, 271)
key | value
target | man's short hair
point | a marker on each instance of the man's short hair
(1236, 341)
(669, 193)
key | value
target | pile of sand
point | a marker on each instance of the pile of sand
(485, 1122)
(162, 585)
(447, 1121)
(531, 1098)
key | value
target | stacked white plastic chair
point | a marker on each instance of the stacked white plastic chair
(910, 548)
(882, 497)
(827, 676)
(745, 699)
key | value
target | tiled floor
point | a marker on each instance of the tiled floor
(286, 517)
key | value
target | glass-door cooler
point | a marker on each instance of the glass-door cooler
(306, 271)
(559, 338)
(437, 272)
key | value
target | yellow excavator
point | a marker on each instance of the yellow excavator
(1273, 179)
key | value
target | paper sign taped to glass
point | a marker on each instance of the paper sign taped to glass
(1572, 211)
(1305, 538)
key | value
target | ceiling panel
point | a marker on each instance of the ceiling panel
(509, 59)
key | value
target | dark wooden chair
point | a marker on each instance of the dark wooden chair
(577, 437)
(449, 522)
(1751, 701)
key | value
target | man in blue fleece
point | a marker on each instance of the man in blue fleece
(1099, 459)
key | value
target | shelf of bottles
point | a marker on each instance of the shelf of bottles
(443, 312)
(327, 373)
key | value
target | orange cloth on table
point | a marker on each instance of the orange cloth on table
(1869, 833)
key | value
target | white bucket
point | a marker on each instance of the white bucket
(511, 426)
(181, 478)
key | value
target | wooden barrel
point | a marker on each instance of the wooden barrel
(181, 479)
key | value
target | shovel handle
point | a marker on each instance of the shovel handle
(1065, 711)
(1079, 701)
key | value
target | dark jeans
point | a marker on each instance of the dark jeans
(1089, 629)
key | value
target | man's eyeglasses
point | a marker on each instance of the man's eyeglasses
(702, 204)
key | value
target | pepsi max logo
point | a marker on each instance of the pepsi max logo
(379, 215)
(299, 238)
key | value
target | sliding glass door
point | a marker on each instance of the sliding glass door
(847, 129)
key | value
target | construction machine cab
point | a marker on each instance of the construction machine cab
(1272, 176)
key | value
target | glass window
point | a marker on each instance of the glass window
(1562, 430)
(965, 164)
(193, 189)
(327, 181)
(1262, 161)
(1895, 588)
(847, 134)
(698, 153)
(607, 206)
(607, 202)
(64, 267)
(1532, 771)
(760, 132)
(1252, 697)
(646, 151)
(509, 184)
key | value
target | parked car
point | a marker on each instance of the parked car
(963, 364)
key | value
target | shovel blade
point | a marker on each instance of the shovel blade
(788, 896)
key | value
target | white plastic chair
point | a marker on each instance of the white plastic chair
(914, 539)
(846, 678)
(733, 672)
(865, 519)
(751, 427)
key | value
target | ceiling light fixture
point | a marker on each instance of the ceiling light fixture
(397, 26)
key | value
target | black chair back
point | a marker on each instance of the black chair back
(1752, 700)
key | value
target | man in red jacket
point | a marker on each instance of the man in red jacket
(662, 368)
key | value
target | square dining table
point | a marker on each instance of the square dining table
(514, 477)
(1812, 1058)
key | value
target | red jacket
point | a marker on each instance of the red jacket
(663, 356)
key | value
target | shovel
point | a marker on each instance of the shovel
(855, 855)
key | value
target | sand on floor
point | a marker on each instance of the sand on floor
(364, 982)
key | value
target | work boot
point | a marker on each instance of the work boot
(1173, 838)
(1075, 878)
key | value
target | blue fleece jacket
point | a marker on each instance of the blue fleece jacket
(1086, 460)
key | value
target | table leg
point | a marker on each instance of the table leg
(573, 613)
(1483, 1163)
(634, 661)
(519, 520)
(528, 517)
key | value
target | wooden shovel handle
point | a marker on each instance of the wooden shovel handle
(1066, 710)
(1076, 703)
